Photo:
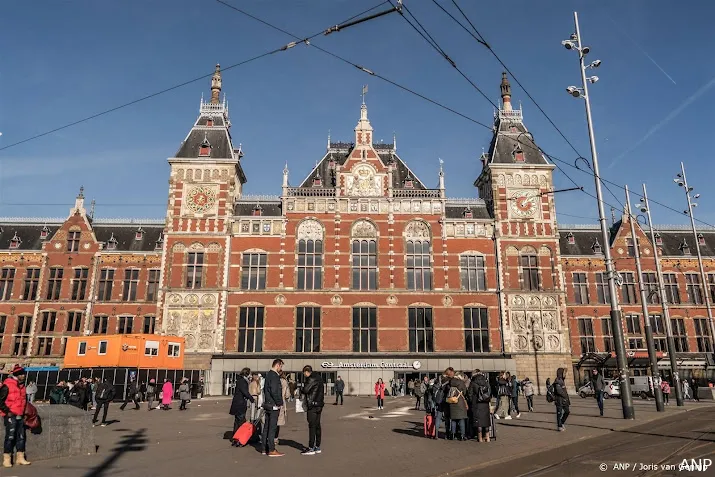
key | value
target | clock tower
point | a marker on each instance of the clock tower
(206, 180)
(516, 182)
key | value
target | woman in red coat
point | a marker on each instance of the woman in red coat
(380, 393)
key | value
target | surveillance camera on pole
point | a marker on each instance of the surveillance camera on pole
(574, 43)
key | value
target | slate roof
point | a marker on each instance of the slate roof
(124, 234)
(509, 134)
(672, 238)
(456, 211)
(268, 209)
(339, 153)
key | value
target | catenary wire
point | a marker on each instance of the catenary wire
(483, 42)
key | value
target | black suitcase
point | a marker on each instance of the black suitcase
(492, 428)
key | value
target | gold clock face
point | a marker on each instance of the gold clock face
(201, 199)
(524, 203)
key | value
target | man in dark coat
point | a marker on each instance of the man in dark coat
(239, 404)
(314, 392)
(339, 388)
(272, 402)
(479, 394)
(131, 396)
(104, 395)
(598, 385)
(561, 399)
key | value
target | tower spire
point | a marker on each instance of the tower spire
(363, 130)
(505, 92)
(216, 85)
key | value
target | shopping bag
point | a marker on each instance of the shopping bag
(300, 405)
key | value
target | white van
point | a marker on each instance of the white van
(642, 386)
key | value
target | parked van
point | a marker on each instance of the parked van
(642, 386)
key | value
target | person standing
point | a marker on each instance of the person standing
(440, 405)
(314, 392)
(184, 393)
(272, 403)
(167, 392)
(31, 390)
(339, 388)
(151, 394)
(480, 397)
(131, 396)
(239, 403)
(93, 389)
(283, 414)
(528, 388)
(695, 389)
(665, 387)
(254, 388)
(420, 388)
(686, 390)
(13, 399)
(598, 384)
(514, 386)
(503, 393)
(411, 387)
(104, 395)
(457, 407)
(380, 393)
(561, 399)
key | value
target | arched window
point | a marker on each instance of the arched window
(418, 256)
(364, 256)
(310, 256)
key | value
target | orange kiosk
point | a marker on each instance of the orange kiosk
(125, 351)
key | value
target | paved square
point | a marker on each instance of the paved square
(357, 440)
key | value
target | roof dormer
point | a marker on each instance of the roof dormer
(112, 243)
(158, 245)
(408, 183)
(658, 239)
(596, 247)
(205, 147)
(467, 213)
(139, 234)
(685, 248)
(258, 210)
(701, 239)
(571, 239)
(15, 241)
(45, 232)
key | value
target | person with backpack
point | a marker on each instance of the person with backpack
(528, 388)
(480, 396)
(420, 388)
(514, 387)
(429, 397)
(13, 401)
(77, 395)
(440, 404)
(458, 407)
(665, 387)
(132, 396)
(151, 393)
(503, 397)
(104, 395)
(58, 395)
(561, 398)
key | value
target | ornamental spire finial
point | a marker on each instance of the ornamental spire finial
(216, 85)
(505, 92)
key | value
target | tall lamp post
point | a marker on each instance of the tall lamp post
(682, 181)
(655, 374)
(574, 43)
(670, 341)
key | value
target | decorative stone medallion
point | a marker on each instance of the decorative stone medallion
(447, 300)
(392, 300)
(280, 300)
(336, 300)
(200, 199)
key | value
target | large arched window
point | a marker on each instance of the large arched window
(364, 256)
(418, 256)
(310, 256)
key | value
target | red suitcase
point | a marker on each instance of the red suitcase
(430, 430)
(244, 433)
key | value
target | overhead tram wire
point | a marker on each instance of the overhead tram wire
(185, 83)
(481, 40)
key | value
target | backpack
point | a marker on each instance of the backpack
(74, 395)
(550, 393)
(484, 394)
(453, 395)
(439, 395)
(103, 393)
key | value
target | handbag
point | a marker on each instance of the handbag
(300, 405)
(454, 399)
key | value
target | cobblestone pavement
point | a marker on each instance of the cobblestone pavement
(355, 436)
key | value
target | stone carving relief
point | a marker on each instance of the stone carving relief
(550, 323)
(310, 230)
(363, 229)
(539, 342)
(280, 300)
(447, 300)
(336, 300)
(192, 316)
(518, 318)
(363, 182)
(536, 316)
(417, 229)
(553, 343)
(534, 301)
(533, 318)
(392, 300)
(521, 343)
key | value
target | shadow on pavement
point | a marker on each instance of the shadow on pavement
(134, 442)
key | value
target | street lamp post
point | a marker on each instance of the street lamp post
(655, 374)
(574, 43)
(670, 341)
(682, 181)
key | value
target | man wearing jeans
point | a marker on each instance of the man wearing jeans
(339, 388)
(272, 403)
(314, 392)
(598, 386)
(561, 398)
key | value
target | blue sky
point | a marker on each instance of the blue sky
(65, 60)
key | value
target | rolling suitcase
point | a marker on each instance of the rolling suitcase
(244, 433)
(429, 428)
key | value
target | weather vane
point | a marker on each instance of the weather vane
(364, 92)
